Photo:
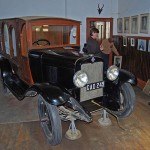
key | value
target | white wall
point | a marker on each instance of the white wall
(74, 9)
(79, 10)
(16, 8)
(127, 8)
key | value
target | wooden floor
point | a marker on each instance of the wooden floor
(136, 136)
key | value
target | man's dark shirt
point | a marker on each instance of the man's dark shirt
(93, 46)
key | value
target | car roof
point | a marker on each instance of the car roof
(31, 18)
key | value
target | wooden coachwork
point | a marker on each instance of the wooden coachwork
(24, 31)
(25, 68)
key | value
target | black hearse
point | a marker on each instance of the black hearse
(41, 56)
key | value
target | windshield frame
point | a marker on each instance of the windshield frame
(53, 22)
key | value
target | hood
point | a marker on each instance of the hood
(60, 57)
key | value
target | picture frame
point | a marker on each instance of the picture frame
(141, 45)
(118, 61)
(124, 41)
(144, 23)
(132, 40)
(119, 25)
(134, 24)
(126, 24)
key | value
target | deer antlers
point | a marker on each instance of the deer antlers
(100, 9)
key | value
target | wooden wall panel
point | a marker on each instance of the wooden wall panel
(136, 61)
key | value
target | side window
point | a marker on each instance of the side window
(6, 39)
(13, 34)
(73, 33)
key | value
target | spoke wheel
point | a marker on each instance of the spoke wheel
(50, 121)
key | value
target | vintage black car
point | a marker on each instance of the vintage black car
(41, 56)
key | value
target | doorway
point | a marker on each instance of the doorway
(105, 27)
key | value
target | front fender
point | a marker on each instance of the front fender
(113, 87)
(52, 94)
(126, 76)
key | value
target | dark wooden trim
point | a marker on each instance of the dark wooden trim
(134, 60)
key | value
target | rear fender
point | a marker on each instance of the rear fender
(52, 94)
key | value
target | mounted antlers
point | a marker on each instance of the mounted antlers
(100, 9)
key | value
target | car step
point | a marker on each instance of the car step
(16, 86)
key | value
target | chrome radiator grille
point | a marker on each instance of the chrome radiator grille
(95, 74)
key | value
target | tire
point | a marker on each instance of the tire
(50, 121)
(126, 101)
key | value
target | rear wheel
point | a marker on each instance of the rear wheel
(126, 101)
(50, 121)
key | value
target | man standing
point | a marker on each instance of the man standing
(106, 47)
(93, 47)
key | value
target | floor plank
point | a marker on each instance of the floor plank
(136, 136)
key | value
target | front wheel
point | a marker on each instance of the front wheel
(50, 121)
(126, 101)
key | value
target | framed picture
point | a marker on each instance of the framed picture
(141, 45)
(119, 25)
(118, 61)
(124, 41)
(132, 42)
(144, 23)
(134, 24)
(126, 24)
(149, 46)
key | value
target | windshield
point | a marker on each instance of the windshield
(54, 35)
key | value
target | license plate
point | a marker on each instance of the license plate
(94, 86)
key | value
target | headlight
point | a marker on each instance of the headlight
(112, 73)
(80, 79)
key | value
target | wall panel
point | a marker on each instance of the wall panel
(134, 60)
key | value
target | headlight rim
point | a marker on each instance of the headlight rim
(79, 72)
(110, 70)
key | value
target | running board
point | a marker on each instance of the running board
(16, 86)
